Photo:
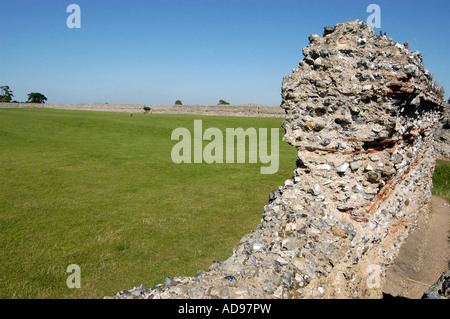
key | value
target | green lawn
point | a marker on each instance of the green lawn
(100, 190)
(441, 180)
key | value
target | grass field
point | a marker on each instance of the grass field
(441, 180)
(100, 190)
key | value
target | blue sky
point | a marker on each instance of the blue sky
(198, 51)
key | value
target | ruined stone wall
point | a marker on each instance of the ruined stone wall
(442, 136)
(248, 110)
(129, 108)
(360, 110)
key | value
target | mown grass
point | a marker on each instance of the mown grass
(441, 178)
(100, 190)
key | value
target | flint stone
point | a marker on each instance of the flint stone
(220, 292)
(368, 87)
(180, 290)
(316, 191)
(343, 167)
(325, 142)
(167, 282)
(361, 41)
(356, 165)
(397, 158)
(196, 293)
(328, 30)
(229, 281)
(273, 278)
(318, 62)
(373, 177)
(357, 188)
(313, 37)
(257, 246)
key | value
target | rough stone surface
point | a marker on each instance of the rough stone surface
(361, 119)
(129, 108)
(441, 289)
(248, 110)
(442, 135)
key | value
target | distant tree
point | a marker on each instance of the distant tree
(5, 94)
(223, 102)
(36, 98)
(178, 102)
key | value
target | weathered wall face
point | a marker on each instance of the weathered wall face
(360, 111)
(442, 135)
(248, 110)
(129, 108)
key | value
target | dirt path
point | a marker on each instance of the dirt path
(424, 256)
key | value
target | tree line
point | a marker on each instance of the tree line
(221, 102)
(6, 95)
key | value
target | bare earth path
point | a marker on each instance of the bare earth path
(424, 256)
